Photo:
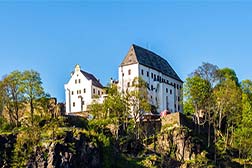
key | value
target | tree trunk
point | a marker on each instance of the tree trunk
(227, 137)
(32, 111)
(209, 130)
(17, 114)
(215, 139)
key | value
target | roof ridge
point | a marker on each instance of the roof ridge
(149, 51)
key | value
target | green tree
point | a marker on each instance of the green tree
(115, 106)
(243, 132)
(208, 74)
(138, 104)
(246, 86)
(33, 90)
(2, 94)
(228, 105)
(197, 92)
(12, 95)
(225, 74)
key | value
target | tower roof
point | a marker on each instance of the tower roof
(150, 59)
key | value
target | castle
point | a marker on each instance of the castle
(163, 84)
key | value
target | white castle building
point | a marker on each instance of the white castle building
(81, 89)
(164, 85)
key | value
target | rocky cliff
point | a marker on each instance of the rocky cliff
(77, 151)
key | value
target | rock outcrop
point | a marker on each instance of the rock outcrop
(7, 143)
(72, 152)
(177, 143)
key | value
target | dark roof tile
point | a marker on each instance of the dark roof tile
(148, 58)
(89, 76)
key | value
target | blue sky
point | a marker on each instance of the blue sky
(51, 37)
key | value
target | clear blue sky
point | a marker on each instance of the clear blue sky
(51, 37)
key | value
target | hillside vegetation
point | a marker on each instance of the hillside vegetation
(215, 130)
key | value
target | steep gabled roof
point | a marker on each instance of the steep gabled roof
(95, 81)
(148, 58)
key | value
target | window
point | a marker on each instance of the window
(147, 74)
(152, 75)
(79, 91)
(98, 92)
(94, 91)
(178, 98)
(166, 90)
(152, 87)
(151, 97)
(82, 103)
(128, 84)
(178, 107)
(84, 90)
(170, 91)
(75, 81)
(73, 104)
(129, 72)
(142, 71)
(175, 106)
(72, 92)
(177, 86)
(79, 80)
(122, 74)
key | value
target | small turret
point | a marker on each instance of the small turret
(77, 68)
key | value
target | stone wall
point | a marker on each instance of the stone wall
(176, 120)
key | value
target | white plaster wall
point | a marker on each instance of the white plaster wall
(124, 79)
(76, 98)
(157, 96)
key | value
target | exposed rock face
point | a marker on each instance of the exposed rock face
(73, 152)
(6, 147)
(176, 143)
